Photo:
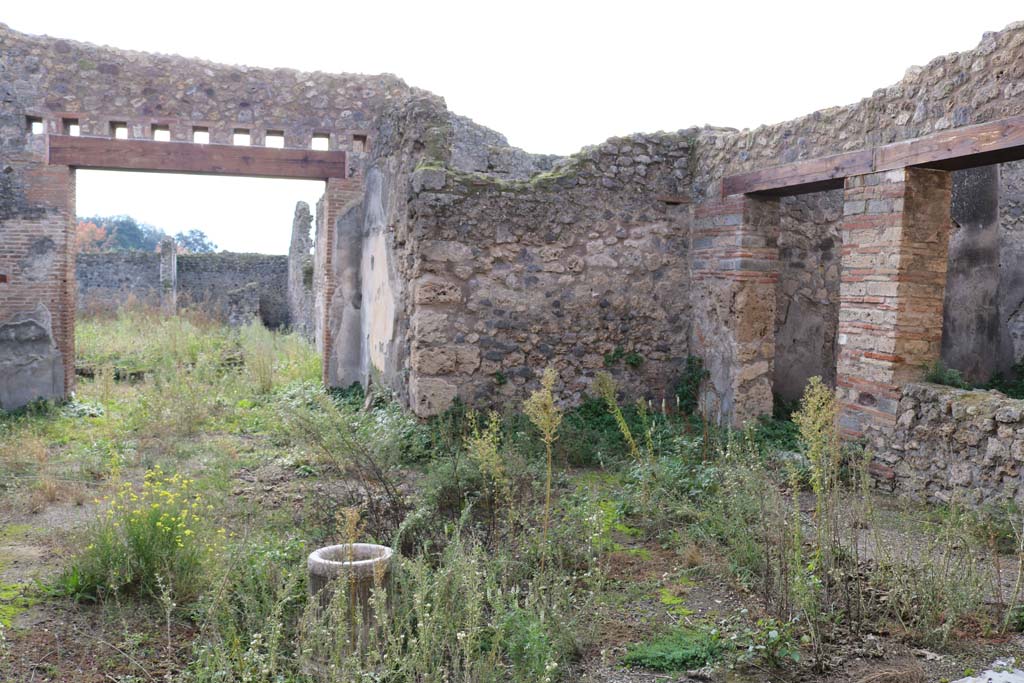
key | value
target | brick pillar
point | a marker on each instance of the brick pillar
(735, 269)
(49, 230)
(895, 229)
(339, 193)
(168, 276)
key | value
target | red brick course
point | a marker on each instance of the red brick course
(895, 230)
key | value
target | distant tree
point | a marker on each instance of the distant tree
(89, 237)
(195, 242)
(124, 233)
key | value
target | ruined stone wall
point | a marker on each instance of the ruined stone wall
(462, 270)
(330, 254)
(1011, 256)
(974, 339)
(300, 273)
(983, 326)
(60, 82)
(478, 149)
(36, 269)
(469, 284)
(583, 268)
(976, 86)
(951, 444)
(807, 294)
(471, 213)
(373, 314)
(954, 90)
(107, 281)
(211, 280)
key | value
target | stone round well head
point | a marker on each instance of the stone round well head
(357, 560)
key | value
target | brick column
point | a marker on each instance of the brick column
(48, 231)
(339, 193)
(895, 229)
(735, 268)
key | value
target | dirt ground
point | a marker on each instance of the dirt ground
(54, 639)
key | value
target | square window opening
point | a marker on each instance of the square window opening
(119, 130)
(359, 144)
(201, 135)
(275, 139)
(71, 127)
(241, 137)
(162, 133)
(321, 142)
(35, 125)
(3, 278)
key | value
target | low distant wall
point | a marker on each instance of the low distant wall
(210, 281)
(954, 444)
(206, 279)
(107, 281)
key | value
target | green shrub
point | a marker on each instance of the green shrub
(777, 434)
(249, 619)
(1015, 619)
(591, 436)
(1012, 386)
(149, 541)
(688, 387)
(677, 650)
(938, 373)
(361, 445)
(613, 357)
(451, 483)
(467, 614)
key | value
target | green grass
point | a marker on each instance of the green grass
(479, 592)
(677, 650)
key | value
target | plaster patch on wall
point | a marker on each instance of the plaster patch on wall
(38, 261)
(379, 298)
(31, 367)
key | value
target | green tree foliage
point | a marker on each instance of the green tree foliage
(125, 233)
(195, 242)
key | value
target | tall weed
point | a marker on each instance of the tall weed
(546, 417)
(149, 540)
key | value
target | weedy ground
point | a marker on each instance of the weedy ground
(156, 528)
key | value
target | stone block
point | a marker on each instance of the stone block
(446, 251)
(428, 179)
(431, 396)
(431, 289)
(430, 327)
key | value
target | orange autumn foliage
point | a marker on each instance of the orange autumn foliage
(89, 237)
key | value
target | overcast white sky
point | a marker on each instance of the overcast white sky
(552, 76)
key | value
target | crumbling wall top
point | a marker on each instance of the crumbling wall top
(101, 88)
(958, 89)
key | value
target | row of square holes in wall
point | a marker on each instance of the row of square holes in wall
(200, 135)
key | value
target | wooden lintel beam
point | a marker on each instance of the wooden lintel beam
(798, 176)
(187, 157)
(956, 146)
(952, 150)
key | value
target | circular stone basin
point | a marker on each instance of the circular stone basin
(353, 560)
(360, 565)
(361, 568)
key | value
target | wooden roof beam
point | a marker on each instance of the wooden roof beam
(952, 150)
(188, 157)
